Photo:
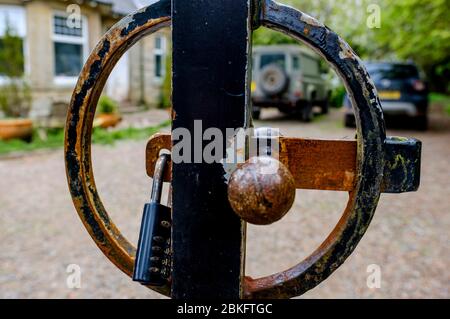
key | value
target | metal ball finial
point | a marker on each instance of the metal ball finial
(261, 191)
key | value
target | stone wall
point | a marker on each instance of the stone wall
(40, 53)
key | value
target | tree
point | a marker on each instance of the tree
(15, 95)
(346, 17)
(416, 30)
(419, 30)
(11, 54)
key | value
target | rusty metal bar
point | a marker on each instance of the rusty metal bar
(329, 164)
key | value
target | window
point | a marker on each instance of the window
(12, 41)
(160, 53)
(70, 49)
(380, 71)
(68, 59)
(273, 58)
(295, 62)
(310, 66)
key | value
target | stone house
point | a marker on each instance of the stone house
(58, 36)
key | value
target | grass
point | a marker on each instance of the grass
(54, 138)
(318, 118)
(444, 100)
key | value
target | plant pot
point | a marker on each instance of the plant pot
(107, 120)
(16, 129)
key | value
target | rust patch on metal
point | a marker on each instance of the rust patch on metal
(327, 164)
(314, 164)
(261, 191)
(173, 114)
(155, 145)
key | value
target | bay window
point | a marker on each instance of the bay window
(70, 49)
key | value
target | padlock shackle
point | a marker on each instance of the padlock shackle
(158, 178)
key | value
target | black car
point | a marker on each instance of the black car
(401, 91)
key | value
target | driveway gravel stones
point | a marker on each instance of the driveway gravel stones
(41, 234)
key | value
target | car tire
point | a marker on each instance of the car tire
(325, 107)
(421, 123)
(273, 80)
(305, 111)
(349, 121)
(256, 114)
(286, 111)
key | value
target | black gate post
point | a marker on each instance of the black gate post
(211, 45)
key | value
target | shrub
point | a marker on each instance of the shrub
(107, 105)
(337, 97)
(15, 98)
(15, 95)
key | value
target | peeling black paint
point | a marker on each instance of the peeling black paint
(402, 169)
(155, 11)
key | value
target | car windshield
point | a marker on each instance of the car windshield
(392, 71)
(273, 58)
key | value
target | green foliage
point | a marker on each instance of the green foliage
(107, 105)
(422, 29)
(337, 97)
(442, 100)
(264, 36)
(101, 136)
(15, 98)
(11, 54)
(15, 95)
(419, 30)
(348, 18)
(166, 90)
(54, 138)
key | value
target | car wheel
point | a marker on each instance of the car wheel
(349, 121)
(421, 122)
(256, 114)
(285, 111)
(324, 107)
(273, 80)
(305, 110)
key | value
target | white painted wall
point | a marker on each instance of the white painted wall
(118, 84)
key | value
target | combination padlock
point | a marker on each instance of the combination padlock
(153, 255)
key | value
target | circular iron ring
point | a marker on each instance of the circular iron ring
(112, 46)
(371, 135)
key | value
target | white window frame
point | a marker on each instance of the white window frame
(61, 80)
(162, 53)
(3, 78)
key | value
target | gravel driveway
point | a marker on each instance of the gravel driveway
(41, 235)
